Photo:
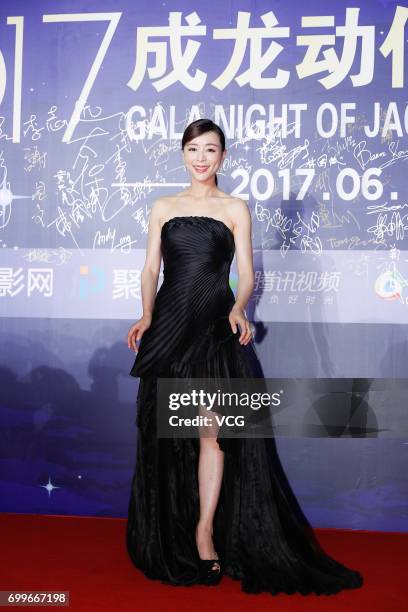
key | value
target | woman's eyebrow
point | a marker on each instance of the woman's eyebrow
(207, 144)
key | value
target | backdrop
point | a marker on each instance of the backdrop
(94, 98)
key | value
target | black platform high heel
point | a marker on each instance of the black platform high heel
(210, 571)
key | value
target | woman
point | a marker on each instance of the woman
(201, 507)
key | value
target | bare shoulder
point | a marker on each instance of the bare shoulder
(238, 211)
(239, 205)
(160, 207)
(157, 214)
(162, 202)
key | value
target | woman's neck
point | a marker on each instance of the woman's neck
(201, 190)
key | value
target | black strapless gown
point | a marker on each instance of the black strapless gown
(260, 533)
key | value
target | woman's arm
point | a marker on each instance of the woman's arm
(246, 278)
(244, 254)
(149, 277)
(151, 268)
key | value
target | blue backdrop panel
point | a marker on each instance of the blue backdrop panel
(94, 97)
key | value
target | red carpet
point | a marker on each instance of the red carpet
(87, 557)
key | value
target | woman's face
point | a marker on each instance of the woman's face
(203, 156)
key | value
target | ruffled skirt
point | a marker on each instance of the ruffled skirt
(260, 533)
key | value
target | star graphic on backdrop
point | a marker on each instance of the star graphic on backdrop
(49, 486)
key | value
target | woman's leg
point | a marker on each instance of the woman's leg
(210, 473)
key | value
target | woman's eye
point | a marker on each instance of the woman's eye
(209, 150)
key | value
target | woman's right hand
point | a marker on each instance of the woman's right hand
(137, 330)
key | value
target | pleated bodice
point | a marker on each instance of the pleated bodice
(195, 295)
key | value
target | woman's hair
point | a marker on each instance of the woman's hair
(201, 126)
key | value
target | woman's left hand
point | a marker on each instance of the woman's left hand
(237, 317)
